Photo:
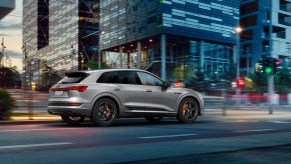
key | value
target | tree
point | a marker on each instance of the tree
(48, 77)
(282, 81)
(95, 65)
(6, 104)
(9, 77)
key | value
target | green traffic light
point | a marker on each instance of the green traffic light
(268, 70)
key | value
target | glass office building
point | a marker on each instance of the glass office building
(267, 31)
(60, 34)
(184, 36)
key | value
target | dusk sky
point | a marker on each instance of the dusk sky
(11, 31)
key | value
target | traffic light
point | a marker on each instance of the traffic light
(277, 65)
(240, 83)
(260, 67)
(268, 65)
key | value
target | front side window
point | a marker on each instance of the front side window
(148, 79)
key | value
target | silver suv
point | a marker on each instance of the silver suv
(105, 95)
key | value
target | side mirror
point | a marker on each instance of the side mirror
(166, 85)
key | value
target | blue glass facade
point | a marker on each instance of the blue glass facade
(199, 35)
(212, 20)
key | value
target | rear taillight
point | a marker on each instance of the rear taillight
(76, 88)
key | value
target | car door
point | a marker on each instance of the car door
(157, 98)
(127, 89)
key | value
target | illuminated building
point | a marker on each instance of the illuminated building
(61, 34)
(185, 35)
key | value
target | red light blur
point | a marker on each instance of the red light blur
(280, 61)
(178, 84)
(240, 83)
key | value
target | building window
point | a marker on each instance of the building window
(249, 7)
(42, 24)
(284, 19)
(249, 21)
(247, 49)
(247, 35)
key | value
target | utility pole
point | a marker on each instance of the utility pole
(271, 76)
(2, 53)
(25, 63)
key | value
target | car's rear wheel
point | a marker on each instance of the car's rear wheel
(154, 119)
(188, 110)
(73, 120)
(104, 112)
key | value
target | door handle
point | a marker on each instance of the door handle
(148, 90)
(116, 89)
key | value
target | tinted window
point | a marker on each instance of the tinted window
(104, 78)
(74, 77)
(119, 77)
(148, 79)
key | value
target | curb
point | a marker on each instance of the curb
(29, 122)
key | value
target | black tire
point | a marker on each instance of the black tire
(154, 119)
(104, 112)
(76, 120)
(188, 111)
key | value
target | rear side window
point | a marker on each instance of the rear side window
(74, 77)
(104, 78)
(119, 77)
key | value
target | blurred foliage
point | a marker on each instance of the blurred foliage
(181, 72)
(282, 81)
(260, 81)
(48, 77)
(9, 77)
(230, 74)
(93, 65)
(249, 83)
(257, 82)
(6, 104)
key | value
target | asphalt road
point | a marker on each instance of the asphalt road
(137, 141)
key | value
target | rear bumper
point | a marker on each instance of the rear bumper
(83, 110)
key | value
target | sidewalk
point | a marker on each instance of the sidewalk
(25, 118)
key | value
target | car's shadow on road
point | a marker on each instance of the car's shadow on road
(130, 123)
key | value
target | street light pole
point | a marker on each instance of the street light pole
(99, 48)
(238, 30)
(99, 55)
(25, 64)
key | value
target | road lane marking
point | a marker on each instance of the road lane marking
(35, 145)
(27, 130)
(256, 130)
(168, 136)
(281, 122)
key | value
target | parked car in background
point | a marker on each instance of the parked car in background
(105, 95)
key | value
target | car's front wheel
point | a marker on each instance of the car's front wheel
(154, 119)
(188, 110)
(73, 120)
(104, 112)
